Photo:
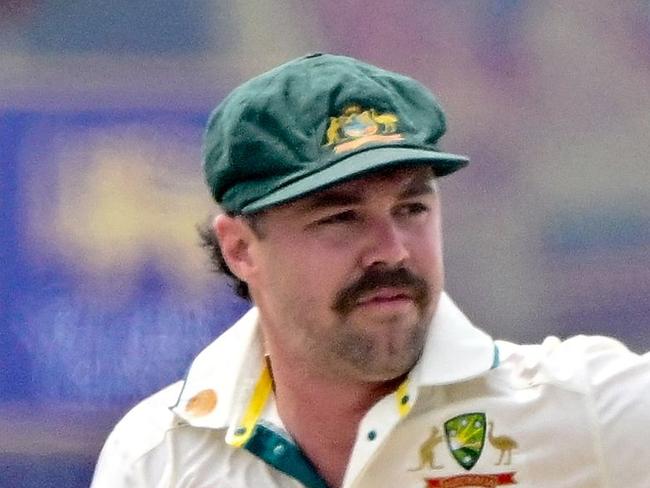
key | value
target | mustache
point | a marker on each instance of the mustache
(376, 278)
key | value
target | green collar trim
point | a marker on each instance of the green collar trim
(283, 455)
(497, 359)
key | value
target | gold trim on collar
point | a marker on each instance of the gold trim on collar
(244, 428)
(403, 399)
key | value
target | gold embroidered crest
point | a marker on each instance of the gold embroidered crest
(356, 127)
(466, 436)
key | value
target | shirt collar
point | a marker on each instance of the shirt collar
(455, 350)
(224, 376)
(226, 371)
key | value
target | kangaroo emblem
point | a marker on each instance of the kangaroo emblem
(427, 451)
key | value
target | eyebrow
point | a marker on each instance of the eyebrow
(420, 187)
(333, 197)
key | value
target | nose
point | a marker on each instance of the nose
(385, 244)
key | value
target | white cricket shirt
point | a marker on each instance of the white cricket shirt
(472, 413)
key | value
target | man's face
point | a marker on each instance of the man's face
(347, 279)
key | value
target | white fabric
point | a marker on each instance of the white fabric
(578, 411)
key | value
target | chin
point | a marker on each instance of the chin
(396, 362)
(388, 372)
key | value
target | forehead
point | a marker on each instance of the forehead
(396, 181)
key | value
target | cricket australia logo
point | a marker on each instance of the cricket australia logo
(356, 127)
(466, 436)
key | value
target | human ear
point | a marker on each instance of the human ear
(235, 238)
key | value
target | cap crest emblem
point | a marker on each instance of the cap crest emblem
(356, 127)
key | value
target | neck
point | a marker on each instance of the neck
(326, 434)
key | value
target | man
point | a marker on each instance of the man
(354, 368)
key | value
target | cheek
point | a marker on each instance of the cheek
(426, 254)
(299, 272)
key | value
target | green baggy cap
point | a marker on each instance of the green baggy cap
(314, 122)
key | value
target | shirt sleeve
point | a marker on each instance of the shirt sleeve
(619, 395)
(133, 454)
(114, 465)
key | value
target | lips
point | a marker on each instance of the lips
(385, 295)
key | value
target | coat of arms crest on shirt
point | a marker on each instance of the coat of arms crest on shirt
(356, 127)
(466, 438)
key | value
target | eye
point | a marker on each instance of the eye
(411, 209)
(345, 217)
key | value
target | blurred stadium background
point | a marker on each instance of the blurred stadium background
(104, 293)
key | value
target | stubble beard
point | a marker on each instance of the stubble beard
(385, 348)
(365, 356)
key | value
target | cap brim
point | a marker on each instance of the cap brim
(356, 165)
